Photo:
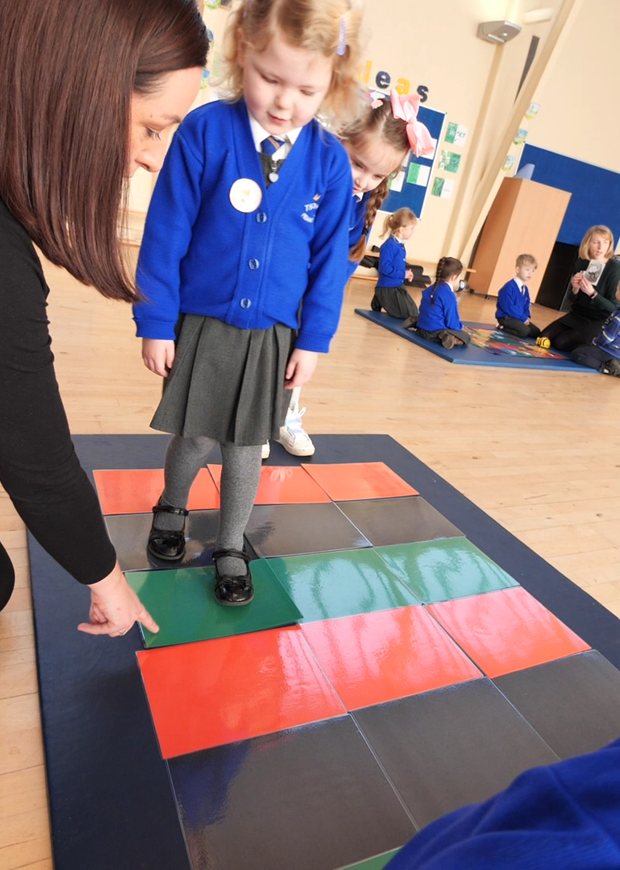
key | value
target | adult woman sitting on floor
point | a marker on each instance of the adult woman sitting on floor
(592, 305)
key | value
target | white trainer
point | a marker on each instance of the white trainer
(293, 436)
(266, 450)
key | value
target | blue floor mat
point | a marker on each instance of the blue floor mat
(477, 356)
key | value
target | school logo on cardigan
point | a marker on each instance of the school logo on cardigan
(308, 214)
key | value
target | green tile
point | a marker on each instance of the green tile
(376, 863)
(183, 605)
(443, 570)
(344, 583)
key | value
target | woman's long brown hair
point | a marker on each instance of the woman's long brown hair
(68, 70)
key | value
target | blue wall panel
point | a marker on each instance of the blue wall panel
(595, 191)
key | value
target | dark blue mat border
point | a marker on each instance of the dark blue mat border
(473, 356)
(118, 811)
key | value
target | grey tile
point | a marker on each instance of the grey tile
(574, 703)
(311, 798)
(129, 534)
(451, 747)
(386, 521)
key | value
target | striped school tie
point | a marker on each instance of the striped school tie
(270, 145)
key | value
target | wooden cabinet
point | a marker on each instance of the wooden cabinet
(525, 218)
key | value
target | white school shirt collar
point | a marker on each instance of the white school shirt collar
(259, 133)
(520, 284)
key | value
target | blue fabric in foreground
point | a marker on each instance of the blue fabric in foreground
(563, 815)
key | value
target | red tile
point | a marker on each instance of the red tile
(220, 691)
(359, 480)
(286, 484)
(135, 491)
(378, 657)
(506, 631)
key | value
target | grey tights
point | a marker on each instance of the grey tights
(240, 477)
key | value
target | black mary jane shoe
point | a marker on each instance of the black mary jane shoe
(164, 543)
(233, 591)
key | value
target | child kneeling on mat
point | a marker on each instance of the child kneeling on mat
(604, 352)
(390, 292)
(439, 315)
(513, 300)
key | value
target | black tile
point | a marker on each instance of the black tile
(451, 747)
(387, 521)
(311, 798)
(574, 703)
(129, 534)
(295, 529)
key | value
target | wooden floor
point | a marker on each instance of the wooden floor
(537, 451)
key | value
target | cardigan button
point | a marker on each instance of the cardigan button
(245, 303)
(253, 264)
(261, 217)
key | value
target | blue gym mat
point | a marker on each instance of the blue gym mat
(476, 356)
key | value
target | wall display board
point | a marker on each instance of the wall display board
(411, 186)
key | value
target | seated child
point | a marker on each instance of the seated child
(604, 352)
(390, 293)
(439, 315)
(513, 300)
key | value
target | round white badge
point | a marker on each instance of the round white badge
(245, 195)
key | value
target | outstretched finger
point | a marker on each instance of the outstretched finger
(147, 621)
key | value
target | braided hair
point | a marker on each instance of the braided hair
(379, 122)
(447, 268)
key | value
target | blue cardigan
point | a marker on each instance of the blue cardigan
(564, 816)
(201, 255)
(443, 314)
(392, 264)
(511, 302)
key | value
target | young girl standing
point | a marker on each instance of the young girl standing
(390, 292)
(439, 315)
(377, 143)
(247, 225)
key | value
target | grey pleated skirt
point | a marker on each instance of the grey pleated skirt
(226, 383)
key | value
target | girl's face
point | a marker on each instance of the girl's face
(599, 247)
(405, 233)
(283, 86)
(371, 161)
(154, 115)
(454, 281)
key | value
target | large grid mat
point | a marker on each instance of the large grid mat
(417, 673)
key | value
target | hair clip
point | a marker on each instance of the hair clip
(247, 8)
(342, 39)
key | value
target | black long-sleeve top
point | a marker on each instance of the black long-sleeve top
(605, 302)
(38, 465)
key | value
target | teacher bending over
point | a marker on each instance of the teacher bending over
(592, 304)
(90, 91)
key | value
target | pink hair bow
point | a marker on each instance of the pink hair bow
(406, 107)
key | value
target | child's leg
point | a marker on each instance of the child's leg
(591, 356)
(514, 327)
(293, 437)
(241, 468)
(534, 330)
(184, 458)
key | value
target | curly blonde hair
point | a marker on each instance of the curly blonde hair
(314, 25)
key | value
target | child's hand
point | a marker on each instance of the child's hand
(300, 368)
(158, 355)
(409, 275)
